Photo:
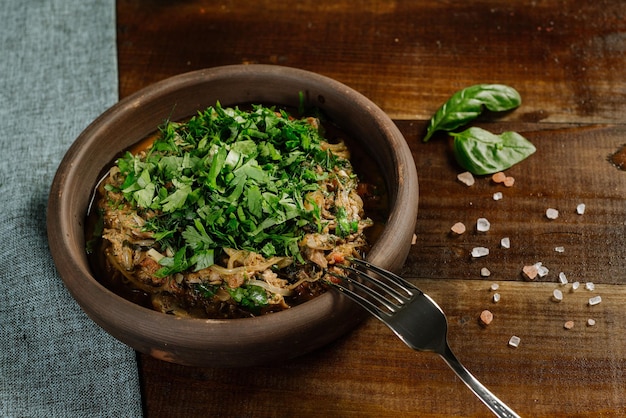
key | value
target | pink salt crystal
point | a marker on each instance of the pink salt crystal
(498, 177)
(486, 317)
(530, 272)
(458, 228)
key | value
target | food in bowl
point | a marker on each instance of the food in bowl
(238, 342)
(232, 213)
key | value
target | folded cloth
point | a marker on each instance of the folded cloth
(58, 71)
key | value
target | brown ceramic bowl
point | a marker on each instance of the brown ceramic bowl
(233, 342)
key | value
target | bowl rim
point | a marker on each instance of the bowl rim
(282, 323)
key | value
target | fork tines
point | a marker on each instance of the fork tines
(380, 291)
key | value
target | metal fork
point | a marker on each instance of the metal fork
(412, 315)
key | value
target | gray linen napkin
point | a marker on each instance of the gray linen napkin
(58, 71)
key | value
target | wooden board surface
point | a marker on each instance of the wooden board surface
(368, 373)
(567, 61)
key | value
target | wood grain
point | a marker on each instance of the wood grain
(571, 166)
(408, 57)
(553, 372)
(567, 61)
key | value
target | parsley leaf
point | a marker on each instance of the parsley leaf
(251, 297)
(230, 178)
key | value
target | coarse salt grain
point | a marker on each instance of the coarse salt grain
(482, 225)
(595, 300)
(562, 278)
(466, 178)
(480, 252)
(542, 270)
(509, 181)
(484, 272)
(497, 196)
(590, 286)
(458, 228)
(557, 295)
(575, 286)
(486, 317)
(568, 325)
(496, 297)
(591, 322)
(505, 242)
(530, 272)
(559, 249)
(498, 177)
(552, 213)
(580, 209)
(514, 341)
(494, 286)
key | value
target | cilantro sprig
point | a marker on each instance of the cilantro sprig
(229, 178)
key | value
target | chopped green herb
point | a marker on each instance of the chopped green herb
(251, 297)
(206, 290)
(344, 225)
(230, 178)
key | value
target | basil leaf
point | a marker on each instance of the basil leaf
(467, 104)
(482, 152)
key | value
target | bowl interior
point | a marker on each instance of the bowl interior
(235, 342)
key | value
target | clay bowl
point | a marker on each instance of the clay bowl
(233, 342)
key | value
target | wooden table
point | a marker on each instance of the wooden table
(567, 61)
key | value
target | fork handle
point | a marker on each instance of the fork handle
(498, 407)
